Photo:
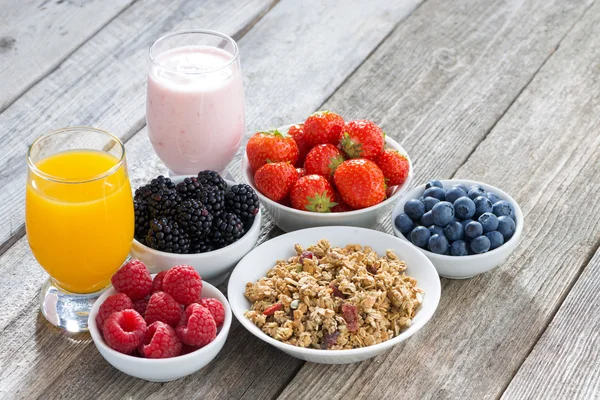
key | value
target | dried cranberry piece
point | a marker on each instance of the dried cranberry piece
(330, 340)
(350, 314)
(372, 269)
(336, 291)
(306, 254)
(271, 310)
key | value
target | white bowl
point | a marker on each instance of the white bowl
(256, 264)
(213, 266)
(465, 267)
(165, 369)
(290, 219)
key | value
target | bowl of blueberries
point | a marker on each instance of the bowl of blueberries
(464, 227)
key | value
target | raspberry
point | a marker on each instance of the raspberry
(198, 328)
(133, 279)
(216, 309)
(162, 307)
(160, 341)
(185, 349)
(124, 331)
(157, 282)
(141, 305)
(114, 303)
(183, 283)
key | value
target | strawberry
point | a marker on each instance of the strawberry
(362, 139)
(394, 166)
(360, 183)
(323, 159)
(301, 172)
(313, 193)
(341, 207)
(297, 132)
(271, 146)
(275, 180)
(323, 127)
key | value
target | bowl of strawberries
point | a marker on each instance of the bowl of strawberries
(326, 171)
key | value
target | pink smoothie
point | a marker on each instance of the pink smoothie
(195, 108)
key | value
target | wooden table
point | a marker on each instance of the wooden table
(505, 92)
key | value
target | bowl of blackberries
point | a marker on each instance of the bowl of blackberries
(204, 221)
(464, 227)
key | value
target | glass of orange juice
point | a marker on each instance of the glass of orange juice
(79, 218)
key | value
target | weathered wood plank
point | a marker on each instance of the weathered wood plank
(244, 368)
(541, 152)
(36, 36)
(565, 363)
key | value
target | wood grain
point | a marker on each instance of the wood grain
(565, 363)
(36, 36)
(543, 153)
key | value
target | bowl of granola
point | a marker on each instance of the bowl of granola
(334, 295)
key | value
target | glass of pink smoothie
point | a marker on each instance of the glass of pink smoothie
(195, 100)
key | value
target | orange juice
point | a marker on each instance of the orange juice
(80, 226)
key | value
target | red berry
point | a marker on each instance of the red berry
(350, 314)
(341, 207)
(124, 331)
(394, 166)
(360, 183)
(276, 180)
(133, 279)
(160, 341)
(362, 139)
(271, 147)
(184, 284)
(313, 193)
(216, 309)
(323, 127)
(323, 160)
(141, 305)
(157, 282)
(271, 309)
(185, 349)
(301, 172)
(297, 132)
(198, 328)
(114, 303)
(163, 307)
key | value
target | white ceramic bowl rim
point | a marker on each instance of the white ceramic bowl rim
(390, 199)
(503, 195)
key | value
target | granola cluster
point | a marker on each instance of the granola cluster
(334, 298)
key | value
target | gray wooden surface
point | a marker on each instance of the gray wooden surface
(506, 92)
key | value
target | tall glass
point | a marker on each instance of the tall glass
(79, 218)
(195, 101)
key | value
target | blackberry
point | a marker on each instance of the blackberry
(188, 188)
(194, 218)
(201, 246)
(142, 221)
(157, 184)
(166, 235)
(227, 228)
(211, 178)
(163, 203)
(213, 199)
(242, 201)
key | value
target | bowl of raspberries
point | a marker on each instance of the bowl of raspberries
(464, 227)
(326, 171)
(204, 221)
(162, 327)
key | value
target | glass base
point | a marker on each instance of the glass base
(67, 310)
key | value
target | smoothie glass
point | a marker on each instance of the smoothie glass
(79, 218)
(195, 101)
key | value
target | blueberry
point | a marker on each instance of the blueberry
(414, 209)
(464, 222)
(459, 248)
(404, 223)
(454, 193)
(454, 231)
(436, 192)
(480, 244)
(442, 213)
(506, 226)
(438, 244)
(430, 202)
(427, 219)
(475, 191)
(434, 183)
(461, 186)
(503, 207)
(436, 230)
(496, 239)
(482, 205)
(420, 236)
(492, 196)
(473, 229)
(488, 221)
(464, 208)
